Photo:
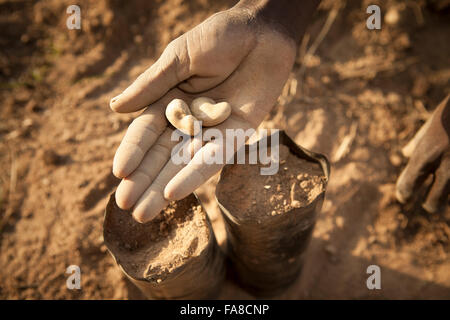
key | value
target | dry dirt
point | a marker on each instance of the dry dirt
(153, 250)
(358, 99)
(247, 193)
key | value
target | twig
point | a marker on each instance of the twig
(12, 188)
(323, 32)
(346, 144)
(294, 203)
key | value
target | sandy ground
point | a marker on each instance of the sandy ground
(368, 89)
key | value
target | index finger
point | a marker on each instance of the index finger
(204, 164)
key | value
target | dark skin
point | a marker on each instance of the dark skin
(430, 155)
(289, 17)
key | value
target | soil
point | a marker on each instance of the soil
(247, 193)
(153, 250)
(371, 89)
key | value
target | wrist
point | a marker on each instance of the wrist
(290, 17)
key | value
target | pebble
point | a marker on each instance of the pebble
(331, 249)
(27, 122)
(392, 16)
(340, 222)
(395, 160)
(267, 187)
(295, 204)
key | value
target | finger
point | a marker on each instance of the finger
(152, 200)
(140, 136)
(169, 70)
(412, 144)
(409, 180)
(423, 160)
(134, 185)
(205, 163)
(440, 189)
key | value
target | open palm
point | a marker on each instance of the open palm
(229, 57)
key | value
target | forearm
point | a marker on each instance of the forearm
(289, 16)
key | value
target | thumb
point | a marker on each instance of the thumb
(169, 70)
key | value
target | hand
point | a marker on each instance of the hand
(232, 56)
(430, 153)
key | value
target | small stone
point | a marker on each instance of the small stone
(13, 135)
(267, 187)
(295, 204)
(392, 16)
(330, 249)
(395, 160)
(326, 79)
(25, 38)
(340, 222)
(27, 122)
(303, 184)
(138, 39)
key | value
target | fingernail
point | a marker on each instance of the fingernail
(430, 208)
(170, 193)
(113, 100)
(400, 197)
(140, 216)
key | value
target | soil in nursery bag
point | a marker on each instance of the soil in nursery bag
(174, 256)
(270, 218)
(250, 194)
